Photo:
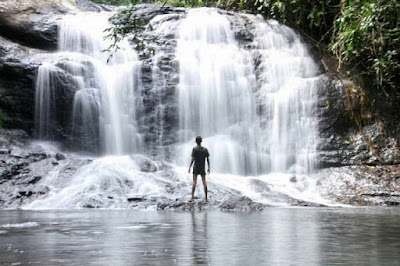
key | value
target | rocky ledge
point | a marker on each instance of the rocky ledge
(22, 166)
(362, 185)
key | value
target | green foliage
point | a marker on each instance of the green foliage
(367, 35)
(314, 16)
(364, 35)
(176, 3)
(125, 22)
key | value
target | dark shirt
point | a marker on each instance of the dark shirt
(199, 154)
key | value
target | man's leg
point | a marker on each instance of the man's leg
(193, 186)
(203, 178)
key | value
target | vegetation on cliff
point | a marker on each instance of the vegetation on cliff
(364, 36)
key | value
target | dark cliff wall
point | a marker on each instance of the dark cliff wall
(358, 123)
(16, 86)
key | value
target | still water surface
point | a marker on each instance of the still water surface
(276, 236)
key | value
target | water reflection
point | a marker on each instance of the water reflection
(272, 237)
(200, 252)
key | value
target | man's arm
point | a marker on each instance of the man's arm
(191, 163)
(208, 163)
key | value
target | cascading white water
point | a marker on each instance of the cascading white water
(216, 98)
(45, 108)
(288, 80)
(215, 93)
(254, 106)
(104, 104)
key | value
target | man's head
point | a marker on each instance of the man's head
(198, 140)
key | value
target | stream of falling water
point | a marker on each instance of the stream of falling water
(254, 107)
(104, 104)
(219, 95)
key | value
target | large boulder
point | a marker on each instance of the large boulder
(17, 84)
(32, 22)
(28, 36)
(18, 71)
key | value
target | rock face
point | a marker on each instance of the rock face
(22, 165)
(160, 76)
(28, 35)
(356, 128)
(17, 75)
(353, 128)
(241, 204)
(362, 185)
(31, 22)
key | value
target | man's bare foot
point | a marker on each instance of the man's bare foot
(191, 200)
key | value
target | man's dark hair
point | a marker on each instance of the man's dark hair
(199, 139)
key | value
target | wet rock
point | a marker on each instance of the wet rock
(243, 30)
(361, 185)
(343, 143)
(19, 153)
(241, 203)
(60, 156)
(35, 157)
(159, 77)
(17, 133)
(90, 6)
(135, 199)
(34, 179)
(24, 194)
(4, 151)
(34, 22)
(28, 26)
(303, 203)
(260, 186)
(92, 202)
(148, 166)
(146, 12)
(184, 205)
(17, 79)
(27, 179)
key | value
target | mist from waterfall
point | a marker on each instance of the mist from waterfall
(254, 120)
(104, 101)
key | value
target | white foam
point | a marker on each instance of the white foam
(21, 225)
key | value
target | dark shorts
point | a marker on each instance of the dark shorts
(199, 171)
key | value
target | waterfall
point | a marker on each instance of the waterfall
(288, 79)
(253, 106)
(44, 107)
(220, 99)
(103, 100)
(252, 99)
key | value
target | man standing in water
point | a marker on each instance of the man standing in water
(199, 154)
